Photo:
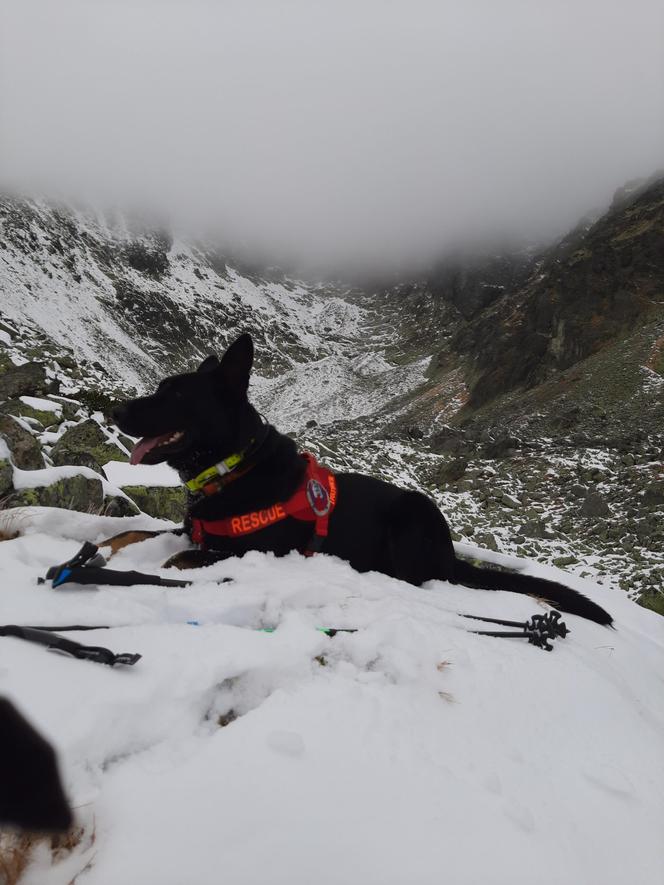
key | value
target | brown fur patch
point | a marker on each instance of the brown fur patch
(188, 559)
(7, 536)
(124, 539)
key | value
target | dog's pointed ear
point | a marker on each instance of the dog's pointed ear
(209, 363)
(235, 366)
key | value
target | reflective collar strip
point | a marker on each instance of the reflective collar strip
(221, 469)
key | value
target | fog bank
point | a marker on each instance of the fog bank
(356, 131)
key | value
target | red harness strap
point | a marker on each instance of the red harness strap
(313, 501)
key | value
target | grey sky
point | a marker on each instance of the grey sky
(371, 129)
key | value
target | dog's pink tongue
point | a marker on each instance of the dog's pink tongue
(143, 446)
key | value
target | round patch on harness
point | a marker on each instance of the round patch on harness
(318, 497)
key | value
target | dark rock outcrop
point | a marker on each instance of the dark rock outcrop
(162, 502)
(86, 445)
(583, 294)
(80, 493)
(6, 475)
(25, 450)
(26, 380)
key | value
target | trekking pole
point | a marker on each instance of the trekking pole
(538, 630)
(88, 567)
(549, 622)
(533, 638)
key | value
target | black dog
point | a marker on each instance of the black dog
(32, 796)
(253, 491)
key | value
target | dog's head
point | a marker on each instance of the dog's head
(195, 418)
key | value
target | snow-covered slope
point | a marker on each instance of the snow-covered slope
(568, 471)
(141, 304)
(411, 751)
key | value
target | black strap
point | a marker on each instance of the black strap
(315, 544)
(65, 628)
(54, 642)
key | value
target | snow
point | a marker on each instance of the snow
(410, 751)
(324, 369)
(334, 388)
(652, 381)
(43, 405)
(31, 479)
(122, 474)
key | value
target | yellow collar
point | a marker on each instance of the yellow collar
(210, 473)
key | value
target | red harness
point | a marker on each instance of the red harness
(313, 501)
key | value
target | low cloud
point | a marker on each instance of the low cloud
(351, 131)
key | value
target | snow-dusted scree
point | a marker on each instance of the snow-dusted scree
(409, 751)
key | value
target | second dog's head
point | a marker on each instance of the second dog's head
(196, 418)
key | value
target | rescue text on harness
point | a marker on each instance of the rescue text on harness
(313, 501)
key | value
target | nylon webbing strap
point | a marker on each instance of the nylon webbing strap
(54, 642)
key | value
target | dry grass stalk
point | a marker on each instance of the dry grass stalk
(16, 850)
(15, 853)
(10, 522)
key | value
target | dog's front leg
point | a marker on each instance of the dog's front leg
(196, 558)
(124, 539)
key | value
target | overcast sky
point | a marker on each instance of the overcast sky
(372, 130)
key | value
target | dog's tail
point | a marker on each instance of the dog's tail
(558, 595)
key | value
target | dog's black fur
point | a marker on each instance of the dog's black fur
(32, 797)
(375, 526)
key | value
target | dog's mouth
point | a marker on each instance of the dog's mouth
(154, 449)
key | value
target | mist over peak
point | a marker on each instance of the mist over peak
(368, 134)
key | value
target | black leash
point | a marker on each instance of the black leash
(67, 628)
(54, 642)
(97, 653)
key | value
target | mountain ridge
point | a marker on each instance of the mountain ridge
(471, 382)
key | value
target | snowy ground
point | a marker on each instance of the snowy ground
(409, 752)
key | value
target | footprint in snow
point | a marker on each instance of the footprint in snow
(521, 816)
(611, 780)
(493, 784)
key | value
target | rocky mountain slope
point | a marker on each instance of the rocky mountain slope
(524, 392)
